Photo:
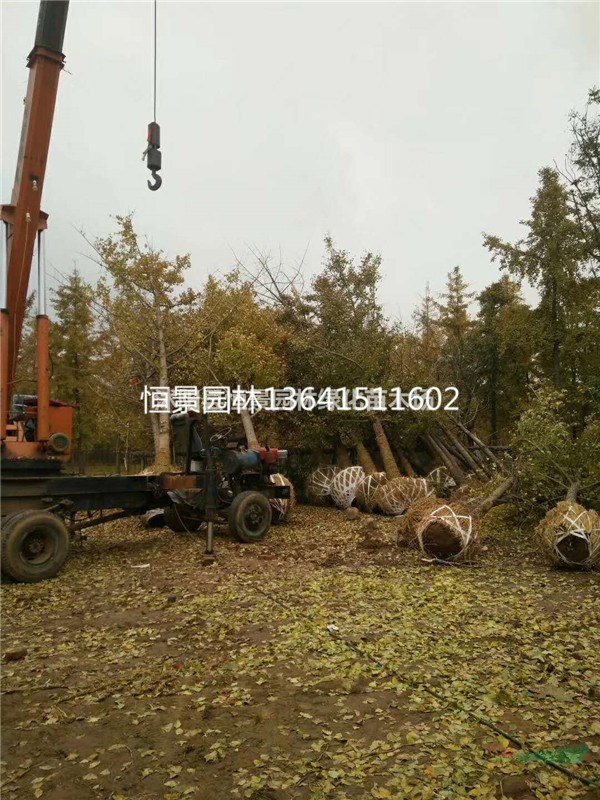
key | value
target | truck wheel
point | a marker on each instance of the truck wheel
(250, 516)
(35, 545)
(178, 519)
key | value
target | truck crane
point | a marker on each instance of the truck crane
(38, 436)
(42, 506)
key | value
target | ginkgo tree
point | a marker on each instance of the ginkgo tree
(147, 311)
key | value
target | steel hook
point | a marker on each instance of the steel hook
(157, 182)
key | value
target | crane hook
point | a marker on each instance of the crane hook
(157, 182)
(153, 155)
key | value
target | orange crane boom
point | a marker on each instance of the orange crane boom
(24, 221)
(24, 217)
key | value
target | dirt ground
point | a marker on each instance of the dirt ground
(324, 662)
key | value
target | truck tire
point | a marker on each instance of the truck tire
(35, 545)
(178, 519)
(250, 516)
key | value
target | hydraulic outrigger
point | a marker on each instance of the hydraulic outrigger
(40, 505)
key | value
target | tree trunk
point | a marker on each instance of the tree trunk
(555, 337)
(251, 437)
(342, 457)
(365, 460)
(499, 492)
(318, 456)
(447, 460)
(572, 492)
(154, 424)
(405, 464)
(163, 450)
(484, 449)
(467, 457)
(389, 462)
(494, 402)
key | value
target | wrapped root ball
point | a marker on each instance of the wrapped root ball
(318, 484)
(447, 532)
(365, 491)
(281, 507)
(407, 525)
(395, 496)
(570, 536)
(441, 482)
(345, 484)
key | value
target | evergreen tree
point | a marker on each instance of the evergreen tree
(583, 176)
(25, 372)
(74, 346)
(427, 329)
(455, 326)
(549, 258)
(503, 352)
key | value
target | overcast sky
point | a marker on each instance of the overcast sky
(403, 128)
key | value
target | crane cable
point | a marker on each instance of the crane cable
(152, 152)
(155, 4)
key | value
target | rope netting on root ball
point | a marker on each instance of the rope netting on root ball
(345, 484)
(441, 482)
(569, 535)
(281, 507)
(395, 496)
(318, 484)
(407, 524)
(447, 533)
(366, 490)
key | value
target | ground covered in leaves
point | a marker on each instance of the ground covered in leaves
(323, 663)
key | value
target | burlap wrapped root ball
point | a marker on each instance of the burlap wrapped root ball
(395, 496)
(345, 484)
(441, 482)
(281, 507)
(570, 536)
(447, 532)
(407, 524)
(366, 490)
(318, 484)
